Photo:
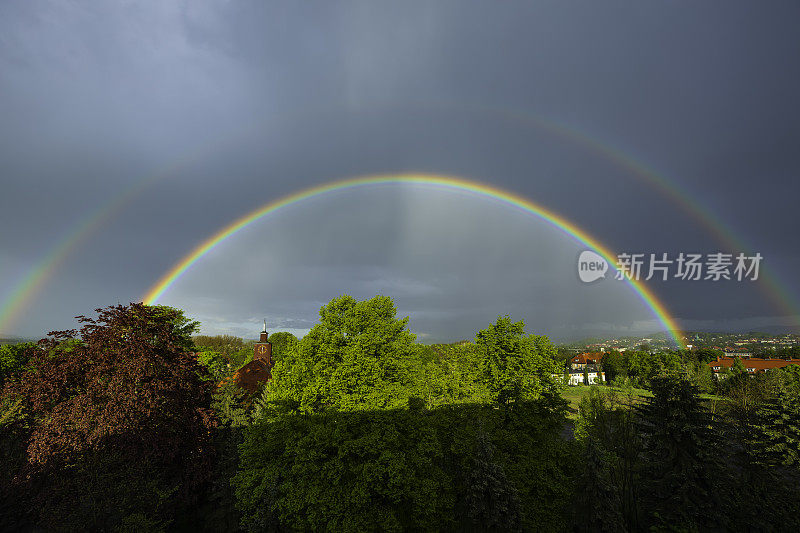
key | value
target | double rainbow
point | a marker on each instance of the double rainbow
(33, 282)
(442, 182)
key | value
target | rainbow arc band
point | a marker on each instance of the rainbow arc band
(440, 181)
(36, 278)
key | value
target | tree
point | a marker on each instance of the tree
(613, 365)
(683, 478)
(218, 343)
(377, 470)
(282, 343)
(216, 364)
(13, 358)
(706, 355)
(598, 506)
(640, 366)
(360, 356)
(118, 414)
(704, 378)
(516, 366)
(737, 368)
(764, 432)
(452, 375)
(492, 501)
(608, 488)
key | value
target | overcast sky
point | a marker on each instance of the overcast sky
(187, 115)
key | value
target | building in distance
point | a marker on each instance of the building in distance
(254, 374)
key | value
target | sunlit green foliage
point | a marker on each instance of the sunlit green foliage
(359, 356)
(229, 352)
(363, 429)
(515, 366)
(216, 364)
(13, 358)
(282, 343)
(452, 374)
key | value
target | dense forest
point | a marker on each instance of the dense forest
(131, 423)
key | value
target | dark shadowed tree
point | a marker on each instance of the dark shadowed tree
(491, 499)
(607, 432)
(683, 480)
(764, 431)
(597, 505)
(117, 422)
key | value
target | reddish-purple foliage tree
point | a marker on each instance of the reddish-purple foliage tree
(123, 395)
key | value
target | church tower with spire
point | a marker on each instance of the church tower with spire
(258, 371)
(263, 348)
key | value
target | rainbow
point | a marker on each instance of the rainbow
(444, 182)
(26, 290)
(34, 281)
(684, 199)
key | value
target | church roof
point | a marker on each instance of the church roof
(252, 375)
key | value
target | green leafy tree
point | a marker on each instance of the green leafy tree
(344, 471)
(670, 362)
(216, 364)
(516, 366)
(764, 433)
(597, 504)
(282, 343)
(452, 375)
(706, 355)
(640, 366)
(737, 368)
(406, 470)
(607, 431)
(13, 358)
(359, 356)
(613, 366)
(232, 405)
(704, 378)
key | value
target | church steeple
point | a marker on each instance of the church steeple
(263, 348)
(258, 371)
(264, 332)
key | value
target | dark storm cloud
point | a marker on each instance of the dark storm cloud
(261, 99)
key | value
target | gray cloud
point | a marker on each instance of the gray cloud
(234, 104)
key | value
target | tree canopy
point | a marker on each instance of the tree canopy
(516, 366)
(118, 412)
(359, 356)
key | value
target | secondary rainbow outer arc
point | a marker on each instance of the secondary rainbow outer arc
(686, 200)
(448, 182)
(33, 283)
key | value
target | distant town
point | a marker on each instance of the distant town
(755, 344)
(752, 343)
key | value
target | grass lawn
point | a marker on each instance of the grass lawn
(575, 394)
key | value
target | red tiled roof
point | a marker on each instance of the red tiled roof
(584, 358)
(253, 374)
(760, 365)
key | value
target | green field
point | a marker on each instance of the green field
(575, 394)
